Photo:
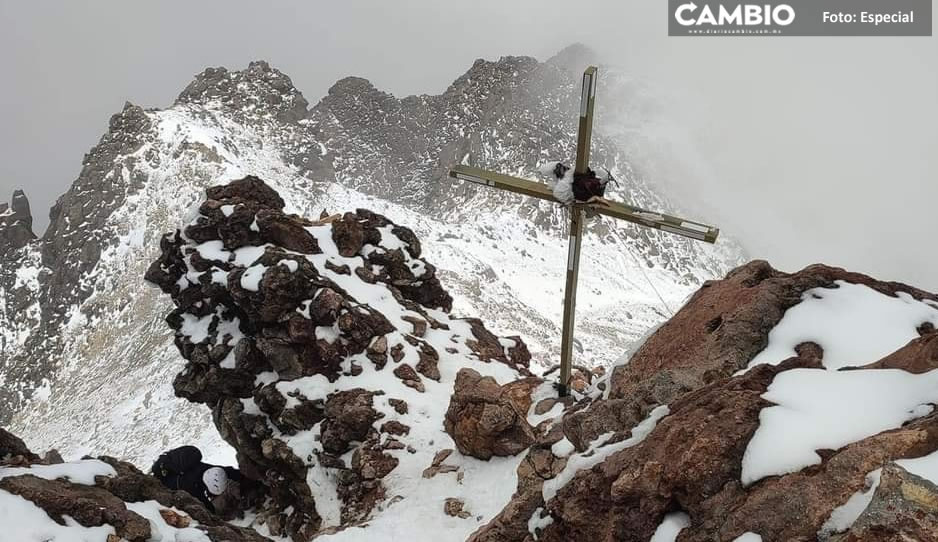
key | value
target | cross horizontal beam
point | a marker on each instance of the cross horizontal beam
(621, 211)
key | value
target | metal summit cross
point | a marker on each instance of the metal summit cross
(578, 213)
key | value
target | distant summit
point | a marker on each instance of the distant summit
(574, 58)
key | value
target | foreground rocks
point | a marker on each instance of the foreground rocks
(105, 502)
(691, 461)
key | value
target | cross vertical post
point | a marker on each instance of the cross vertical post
(585, 130)
(579, 212)
(569, 300)
(583, 141)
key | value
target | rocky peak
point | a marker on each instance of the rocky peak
(258, 88)
(358, 105)
(16, 223)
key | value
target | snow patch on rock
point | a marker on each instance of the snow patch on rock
(818, 409)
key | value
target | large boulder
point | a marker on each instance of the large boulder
(486, 419)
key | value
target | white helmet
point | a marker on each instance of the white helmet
(216, 480)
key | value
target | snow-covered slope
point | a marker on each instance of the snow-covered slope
(86, 359)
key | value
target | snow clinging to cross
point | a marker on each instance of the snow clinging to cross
(582, 191)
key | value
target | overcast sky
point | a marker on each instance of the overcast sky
(806, 149)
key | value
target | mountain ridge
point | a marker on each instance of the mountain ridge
(74, 318)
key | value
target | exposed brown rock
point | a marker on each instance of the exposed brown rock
(13, 450)
(173, 519)
(723, 326)
(692, 460)
(455, 508)
(437, 466)
(486, 419)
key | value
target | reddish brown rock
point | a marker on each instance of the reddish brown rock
(486, 419)
(723, 326)
(489, 348)
(179, 521)
(349, 417)
(692, 460)
(437, 466)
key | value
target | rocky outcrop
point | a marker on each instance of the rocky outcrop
(106, 499)
(692, 460)
(280, 317)
(719, 330)
(151, 165)
(16, 224)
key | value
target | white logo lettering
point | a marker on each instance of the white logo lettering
(740, 15)
(681, 10)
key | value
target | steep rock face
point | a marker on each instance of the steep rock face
(598, 473)
(49, 275)
(316, 343)
(113, 497)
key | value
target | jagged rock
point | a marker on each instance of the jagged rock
(259, 86)
(349, 417)
(723, 326)
(488, 347)
(904, 507)
(90, 506)
(271, 342)
(486, 419)
(348, 235)
(16, 224)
